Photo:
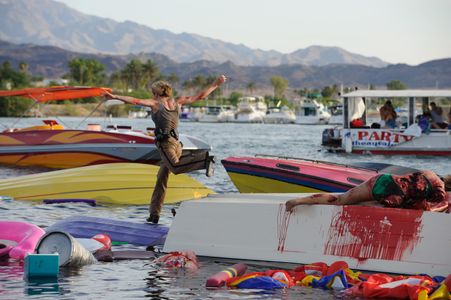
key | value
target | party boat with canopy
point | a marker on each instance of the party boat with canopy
(53, 146)
(409, 138)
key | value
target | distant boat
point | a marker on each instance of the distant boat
(279, 115)
(336, 114)
(138, 114)
(311, 112)
(213, 113)
(251, 110)
(406, 139)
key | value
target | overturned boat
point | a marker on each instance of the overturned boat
(51, 145)
(118, 183)
(275, 174)
(256, 227)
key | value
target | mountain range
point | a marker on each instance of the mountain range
(48, 22)
(52, 62)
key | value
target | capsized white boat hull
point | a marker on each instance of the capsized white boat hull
(368, 238)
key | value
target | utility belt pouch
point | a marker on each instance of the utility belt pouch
(174, 134)
(161, 135)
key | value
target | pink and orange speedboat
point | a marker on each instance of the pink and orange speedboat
(53, 146)
(273, 174)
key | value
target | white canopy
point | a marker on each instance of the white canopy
(398, 93)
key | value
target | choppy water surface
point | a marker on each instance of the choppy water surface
(137, 278)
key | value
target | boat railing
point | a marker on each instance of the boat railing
(322, 162)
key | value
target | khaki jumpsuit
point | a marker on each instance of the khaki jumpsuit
(170, 150)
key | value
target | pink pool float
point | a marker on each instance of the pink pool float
(17, 239)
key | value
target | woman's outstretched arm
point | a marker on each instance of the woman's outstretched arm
(132, 100)
(203, 94)
(324, 198)
(357, 194)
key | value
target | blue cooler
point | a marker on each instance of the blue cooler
(41, 265)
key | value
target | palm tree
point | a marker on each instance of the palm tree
(150, 72)
(251, 87)
(132, 73)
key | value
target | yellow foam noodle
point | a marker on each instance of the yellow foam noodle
(115, 183)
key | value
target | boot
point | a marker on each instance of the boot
(210, 166)
(153, 219)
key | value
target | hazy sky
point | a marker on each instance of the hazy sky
(397, 31)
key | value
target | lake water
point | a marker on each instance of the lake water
(136, 278)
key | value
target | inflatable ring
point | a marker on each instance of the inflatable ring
(26, 236)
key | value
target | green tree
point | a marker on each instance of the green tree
(87, 71)
(279, 84)
(327, 92)
(12, 79)
(302, 92)
(150, 72)
(116, 81)
(251, 87)
(173, 79)
(132, 73)
(396, 85)
(234, 97)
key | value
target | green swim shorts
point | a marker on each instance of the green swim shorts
(385, 186)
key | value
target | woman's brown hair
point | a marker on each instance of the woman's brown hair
(447, 181)
(161, 89)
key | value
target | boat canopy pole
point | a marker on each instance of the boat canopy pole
(345, 112)
(36, 101)
(364, 112)
(411, 111)
(425, 103)
(90, 114)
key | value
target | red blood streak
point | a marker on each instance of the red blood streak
(283, 220)
(373, 232)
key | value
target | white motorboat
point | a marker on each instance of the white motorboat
(214, 113)
(336, 114)
(279, 115)
(310, 112)
(227, 114)
(51, 145)
(256, 227)
(409, 138)
(186, 114)
(138, 114)
(251, 110)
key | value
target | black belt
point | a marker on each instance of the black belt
(162, 135)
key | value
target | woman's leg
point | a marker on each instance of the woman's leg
(159, 192)
(171, 153)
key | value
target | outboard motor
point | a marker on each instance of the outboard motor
(329, 138)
